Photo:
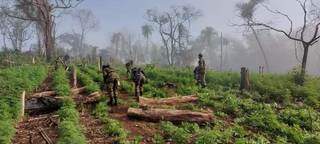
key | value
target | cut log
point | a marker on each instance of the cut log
(53, 93)
(39, 104)
(92, 98)
(156, 115)
(43, 94)
(78, 90)
(168, 101)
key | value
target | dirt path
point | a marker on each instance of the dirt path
(134, 127)
(28, 131)
(32, 129)
(94, 128)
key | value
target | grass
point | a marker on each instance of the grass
(13, 81)
(112, 127)
(70, 132)
(268, 113)
(88, 81)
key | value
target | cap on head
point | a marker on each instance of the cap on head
(105, 66)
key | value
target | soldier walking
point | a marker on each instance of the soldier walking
(200, 72)
(129, 65)
(138, 77)
(111, 80)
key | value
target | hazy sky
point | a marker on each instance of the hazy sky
(117, 15)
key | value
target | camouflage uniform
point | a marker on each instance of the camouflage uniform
(111, 80)
(129, 67)
(138, 77)
(201, 71)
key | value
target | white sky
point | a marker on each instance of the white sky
(117, 15)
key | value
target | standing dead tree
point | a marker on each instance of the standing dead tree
(172, 26)
(87, 22)
(307, 34)
(42, 12)
(18, 33)
(247, 10)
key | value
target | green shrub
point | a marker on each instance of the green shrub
(306, 118)
(158, 139)
(112, 127)
(61, 82)
(178, 135)
(13, 81)
(70, 133)
(88, 82)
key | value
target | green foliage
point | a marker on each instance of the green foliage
(87, 81)
(127, 87)
(178, 135)
(158, 139)
(137, 140)
(69, 129)
(93, 72)
(112, 127)
(70, 133)
(61, 82)
(306, 118)
(13, 81)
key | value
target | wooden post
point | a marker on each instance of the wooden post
(244, 81)
(23, 97)
(33, 60)
(74, 77)
(100, 63)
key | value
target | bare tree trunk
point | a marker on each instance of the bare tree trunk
(304, 63)
(4, 41)
(261, 48)
(81, 44)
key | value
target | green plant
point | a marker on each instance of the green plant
(158, 139)
(178, 135)
(13, 81)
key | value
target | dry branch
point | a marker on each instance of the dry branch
(45, 136)
(43, 117)
(168, 101)
(156, 115)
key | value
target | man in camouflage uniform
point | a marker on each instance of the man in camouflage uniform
(129, 65)
(111, 80)
(200, 72)
(138, 77)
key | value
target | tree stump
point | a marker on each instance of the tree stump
(244, 80)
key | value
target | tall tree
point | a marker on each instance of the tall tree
(87, 22)
(307, 33)
(169, 24)
(147, 32)
(43, 13)
(116, 39)
(247, 10)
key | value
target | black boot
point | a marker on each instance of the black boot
(115, 101)
(110, 102)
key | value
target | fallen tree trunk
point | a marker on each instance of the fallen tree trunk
(51, 103)
(156, 115)
(53, 93)
(168, 101)
(43, 94)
